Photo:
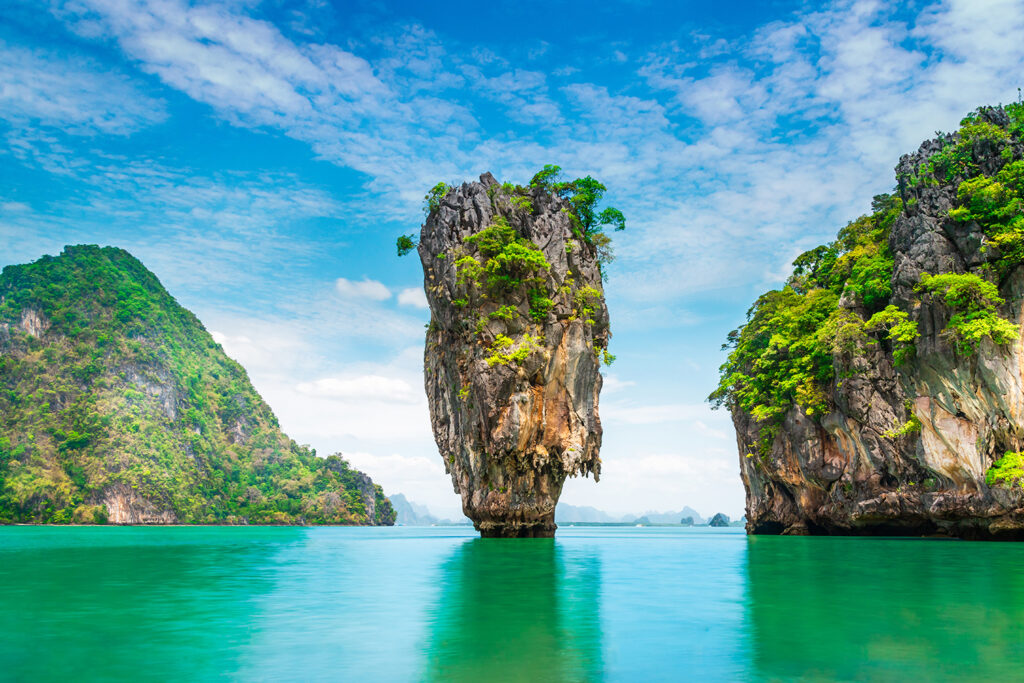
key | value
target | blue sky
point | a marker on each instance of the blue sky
(261, 157)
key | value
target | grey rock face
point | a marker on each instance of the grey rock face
(511, 432)
(848, 474)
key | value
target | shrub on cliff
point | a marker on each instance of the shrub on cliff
(974, 303)
(1007, 471)
(583, 195)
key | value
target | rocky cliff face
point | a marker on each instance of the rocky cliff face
(518, 325)
(906, 447)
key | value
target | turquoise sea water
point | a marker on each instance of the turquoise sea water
(438, 604)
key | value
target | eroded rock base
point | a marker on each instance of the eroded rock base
(968, 530)
(544, 529)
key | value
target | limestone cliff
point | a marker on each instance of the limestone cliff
(518, 328)
(910, 418)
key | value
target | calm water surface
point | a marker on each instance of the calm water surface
(437, 604)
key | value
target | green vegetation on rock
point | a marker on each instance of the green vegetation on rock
(974, 303)
(432, 200)
(996, 204)
(509, 260)
(957, 158)
(507, 351)
(1007, 471)
(405, 244)
(110, 389)
(783, 355)
(838, 302)
(584, 195)
(911, 426)
(497, 262)
(902, 332)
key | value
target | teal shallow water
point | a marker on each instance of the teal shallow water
(437, 604)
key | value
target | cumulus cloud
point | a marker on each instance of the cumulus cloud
(370, 290)
(664, 480)
(656, 414)
(80, 96)
(364, 388)
(413, 296)
(612, 384)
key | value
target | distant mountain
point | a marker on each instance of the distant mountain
(409, 513)
(667, 517)
(413, 514)
(572, 514)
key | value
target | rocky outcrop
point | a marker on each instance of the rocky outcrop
(719, 520)
(518, 324)
(853, 470)
(125, 506)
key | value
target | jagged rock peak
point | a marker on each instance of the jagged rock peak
(517, 333)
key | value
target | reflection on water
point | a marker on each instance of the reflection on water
(405, 604)
(895, 609)
(517, 610)
(120, 603)
(191, 604)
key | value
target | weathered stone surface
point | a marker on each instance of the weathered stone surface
(125, 506)
(844, 475)
(510, 433)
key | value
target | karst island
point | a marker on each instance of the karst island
(880, 391)
(518, 332)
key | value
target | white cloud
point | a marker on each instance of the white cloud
(363, 388)
(657, 414)
(421, 478)
(364, 289)
(612, 384)
(319, 93)
(413, 296)
(262, 346)
(703, 479)
(76, 94)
